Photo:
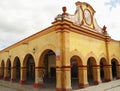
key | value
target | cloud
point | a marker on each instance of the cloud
(113, 3)
(22, 18)
(113, 23)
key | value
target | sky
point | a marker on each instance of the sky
(22, 18)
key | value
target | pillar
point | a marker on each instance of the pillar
(118, 71)
(108, 73)
(39, 74)
(108, 68)
(65, 59)
(58, 73)
(59, 79)
(96, 74)
(66, 77)
(59, 59)
(13, 74)
(82, 76)
(23, 75)
(6, 74)
(1, 72)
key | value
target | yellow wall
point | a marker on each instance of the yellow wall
(26, 47)
(85, 45)
(114, 50)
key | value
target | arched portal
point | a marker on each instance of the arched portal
(75, 74)
(48, 64)
(2, 69)
(8, 70)
(16, 68)
(114, 64)
(103, 70)
(29, 65)
(91, 71)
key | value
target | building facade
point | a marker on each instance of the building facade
(73, 52)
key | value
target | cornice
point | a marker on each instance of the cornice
(79, 29)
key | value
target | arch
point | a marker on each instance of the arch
(27, 56)
(41, 58)
(91, 55)
(91, 70)
(47, 65)
(76, 53)
(103, 70)
(2, 69)
(16, 69)
(76, 60)
(116, 58)
(8, 70)
(43, 51)
(76, 75)
(115, 68)
(103, 56)
(28, 69)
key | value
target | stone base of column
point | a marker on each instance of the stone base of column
(107, 80)
(38, 85)
(1, 77)
(13, 80)
(96, 82)
(66, 89)
(6, 78)
(59, 89)
(82, 85)
(118, 77)
(22, 82)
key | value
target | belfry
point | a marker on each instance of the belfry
(74, 52)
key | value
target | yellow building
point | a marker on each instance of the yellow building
(73, 52)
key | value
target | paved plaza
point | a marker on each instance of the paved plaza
(8, 86)
(108, 86)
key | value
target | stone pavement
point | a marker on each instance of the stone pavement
(9, 86)
(108, 86)
(18, 87)
(2, 88)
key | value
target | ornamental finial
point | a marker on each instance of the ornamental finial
(64, 9)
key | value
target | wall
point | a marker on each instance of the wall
(85, 44)
(38, 42)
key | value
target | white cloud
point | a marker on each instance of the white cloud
(21, 18)
(113, 22)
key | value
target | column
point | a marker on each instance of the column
(118, 71)
(13, 74)
(58, 73)
(1, 72)
(23, 75)
(65, 59)
(96, 74)
(82, 76)
(59, 57)
(108, 68)
(6, 74)
(66, 77)
(39, 74)
(59, 79)
(108, 73)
